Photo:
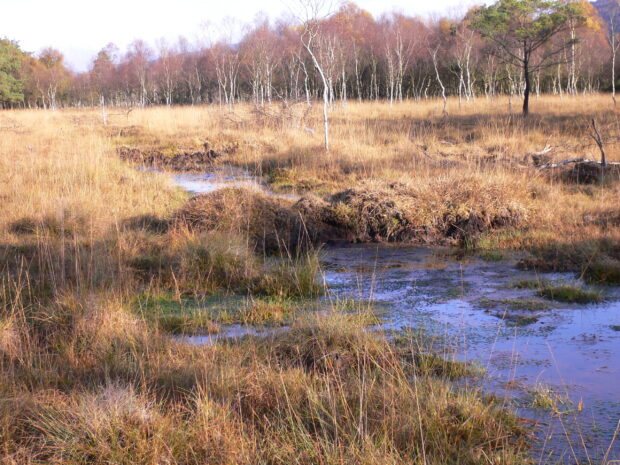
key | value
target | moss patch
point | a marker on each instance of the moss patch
(570, 294)
(205, 314)
(515, 304)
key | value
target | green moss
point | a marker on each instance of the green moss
(492, 255)
(528, 284)
(570, 294)
(205, 314)
(515, 304)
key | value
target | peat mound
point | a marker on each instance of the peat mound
(377, 214)
(398, 212)
(270, 223)
(187, 161)
(367, 213)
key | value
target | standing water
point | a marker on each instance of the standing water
(531, 350)
(556, 364)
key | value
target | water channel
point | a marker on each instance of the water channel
(527, 346)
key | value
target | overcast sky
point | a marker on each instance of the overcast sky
(80, 28)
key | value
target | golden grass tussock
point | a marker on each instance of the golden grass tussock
(269, 223)
(102, 388)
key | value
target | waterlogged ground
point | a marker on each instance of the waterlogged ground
(530, 348)
(557, 364)
(205, 183)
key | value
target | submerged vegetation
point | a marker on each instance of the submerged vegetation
(547, 398)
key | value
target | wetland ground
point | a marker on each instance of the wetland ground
(188, 285)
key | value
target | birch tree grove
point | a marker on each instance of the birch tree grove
(511, 47)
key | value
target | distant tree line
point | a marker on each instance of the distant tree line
(393, 57)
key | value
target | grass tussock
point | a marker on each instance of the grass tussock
(546, 398)
(570, 294)
(99, 387)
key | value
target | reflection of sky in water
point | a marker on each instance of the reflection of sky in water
(206, 183)
(570, 348)
(231, 332)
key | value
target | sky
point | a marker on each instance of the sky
(80, 28)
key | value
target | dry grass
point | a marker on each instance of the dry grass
(99, 387)
(82, 234)
(476, 163)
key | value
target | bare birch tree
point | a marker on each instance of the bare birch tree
(614, 43)
(311, 13)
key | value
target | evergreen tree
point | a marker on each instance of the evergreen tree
(522, 32)
(11, 86)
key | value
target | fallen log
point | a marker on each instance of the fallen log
(578, 160)
(585, 170)
(541, 157)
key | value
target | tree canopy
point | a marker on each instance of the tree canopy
(521, 32)
(491, 50)
(11, 86)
